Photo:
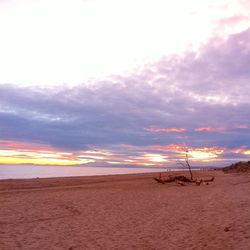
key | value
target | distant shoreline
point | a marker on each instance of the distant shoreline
(39, 171)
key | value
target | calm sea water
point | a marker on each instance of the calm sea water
(33, 171)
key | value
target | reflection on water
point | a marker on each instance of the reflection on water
(34, 171)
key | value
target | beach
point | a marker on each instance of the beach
(125, 212)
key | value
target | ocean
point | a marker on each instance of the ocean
(39, 171)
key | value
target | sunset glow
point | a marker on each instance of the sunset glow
(41, 158)
(167, 154)
(242, 150)
(205, 154)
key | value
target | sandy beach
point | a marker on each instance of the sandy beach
(125, 212)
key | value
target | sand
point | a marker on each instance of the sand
(125, 212)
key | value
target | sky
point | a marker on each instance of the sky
(124, 83)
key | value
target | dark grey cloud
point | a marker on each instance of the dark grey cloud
(209, 89)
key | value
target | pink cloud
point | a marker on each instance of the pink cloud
(242, 126)
(209, 129)
(233, 20)
(205, 129)
(166, 130)
(24, 146)
(174, 148)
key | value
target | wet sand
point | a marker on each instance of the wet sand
(125, 212)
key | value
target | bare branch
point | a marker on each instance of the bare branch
(186, 164)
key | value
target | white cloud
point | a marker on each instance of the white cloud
(55, 42)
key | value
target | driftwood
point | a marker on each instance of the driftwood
(209, 180)
(181, 183)
(181, 179)
(178, 178)
(205, 181)
(159, 180)
(198, 183)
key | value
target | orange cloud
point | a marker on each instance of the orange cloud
(166, 130)
(242, 150)
(205, 154)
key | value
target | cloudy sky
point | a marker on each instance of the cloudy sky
(135, 82)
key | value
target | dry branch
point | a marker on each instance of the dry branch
(159, 180)
(181, 179)
(186, 164)
(209, 180)
(181, 183)
(178, 178)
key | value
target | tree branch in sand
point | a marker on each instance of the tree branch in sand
(179, 179)
(186, 164)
